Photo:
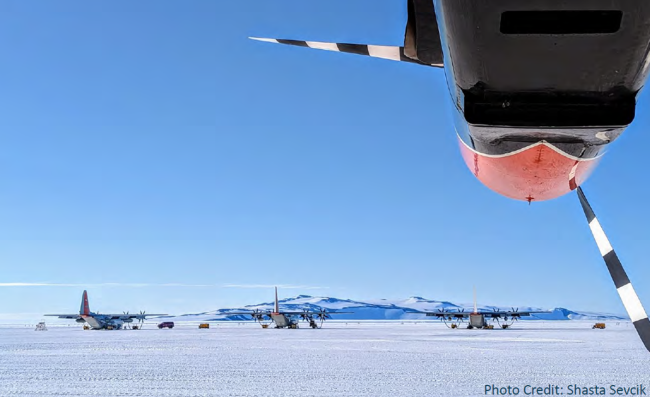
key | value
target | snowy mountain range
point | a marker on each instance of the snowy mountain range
(384, 310)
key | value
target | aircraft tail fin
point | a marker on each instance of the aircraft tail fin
(475, 305)
(277, 305)
(85, 307)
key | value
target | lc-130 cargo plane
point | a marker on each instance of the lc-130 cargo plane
(104, 321)
(288, 319)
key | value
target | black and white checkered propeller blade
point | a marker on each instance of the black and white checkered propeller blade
(623, 285)
(376, 51)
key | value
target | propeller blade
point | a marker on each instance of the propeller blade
(622, 282)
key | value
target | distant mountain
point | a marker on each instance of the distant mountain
(384, 310)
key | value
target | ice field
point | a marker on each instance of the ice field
(341, 359)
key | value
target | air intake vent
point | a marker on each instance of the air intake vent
(549, 109)
(561, 22)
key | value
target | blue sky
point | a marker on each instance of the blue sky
(151, 142)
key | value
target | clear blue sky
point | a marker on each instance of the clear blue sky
(151, 142)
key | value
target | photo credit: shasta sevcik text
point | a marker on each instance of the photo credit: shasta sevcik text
(566, 390)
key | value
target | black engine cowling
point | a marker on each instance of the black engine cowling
(422, 39)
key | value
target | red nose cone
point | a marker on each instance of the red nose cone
(536, 173)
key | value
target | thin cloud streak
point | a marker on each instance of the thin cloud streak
(145, 285)
(280, 286)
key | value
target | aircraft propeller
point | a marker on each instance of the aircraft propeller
(257, 315)
(141, 318)
(305, 315)
(322, 314)
(126, 320)
(620, 278)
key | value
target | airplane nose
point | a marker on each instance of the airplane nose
(535, 173)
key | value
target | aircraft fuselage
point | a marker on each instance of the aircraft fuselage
(477, 320)
(281, 320)
(99, 322)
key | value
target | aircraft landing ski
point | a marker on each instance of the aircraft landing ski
(624, 287)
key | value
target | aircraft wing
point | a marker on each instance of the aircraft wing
(63, 315)
(124, 316)
(268, 313)
(490, 314)
(510, 314)
(312, 312)
(251, 313)
(242, 313)
(447, 314)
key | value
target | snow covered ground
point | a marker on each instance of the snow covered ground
(342, 359)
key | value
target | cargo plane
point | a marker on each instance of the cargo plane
(104, 321)
(288, 319)
(478, 319)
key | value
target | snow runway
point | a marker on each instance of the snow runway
(342, 359)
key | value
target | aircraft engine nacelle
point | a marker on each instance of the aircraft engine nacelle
(127, 320)
(502, 140)
(538, 95)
